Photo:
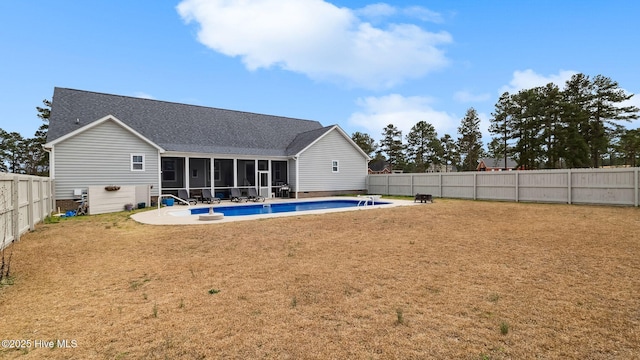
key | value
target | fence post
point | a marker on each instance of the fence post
(517, 186)
(43, 208)
(440, 184)
(475, 186)
(635, 188)
(15, 216)
(569, 180)
(30, 207)
(411, 192)
(388, 176)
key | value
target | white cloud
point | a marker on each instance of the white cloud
(466, 97)
(403, 112)
(423, 14)
(318, 39)
(528, 79)
(377, 10)
(381, 10)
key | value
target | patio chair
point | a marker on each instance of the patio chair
(184, 195)
(236, 195)
(208, 197)
(252, 195)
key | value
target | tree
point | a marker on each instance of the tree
(12, 150)
(527, 126)
(37, 158)
(604, 111)
(423, 147)
(391, 144)
(551, 126)
(470, 140)
(629, 147)
(365, 142)
(450, 154)
(502, 126)
(576, 96)
(496, 148)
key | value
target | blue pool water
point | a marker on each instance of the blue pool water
(282, 207)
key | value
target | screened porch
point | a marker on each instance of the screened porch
(268, 177)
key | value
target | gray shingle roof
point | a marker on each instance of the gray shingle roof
(182, 127)
(304, 139)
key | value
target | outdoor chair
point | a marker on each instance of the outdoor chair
(208, 197)
(236, 195)
(184, 195)
(252, 195)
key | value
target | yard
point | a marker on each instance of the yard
(450, 280)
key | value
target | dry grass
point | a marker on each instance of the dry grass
(454, 279)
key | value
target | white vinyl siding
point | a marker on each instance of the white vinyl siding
(316, 167)
(102, 155)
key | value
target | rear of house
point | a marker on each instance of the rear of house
(154, 147)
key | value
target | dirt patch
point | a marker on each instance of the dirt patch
(453, 279)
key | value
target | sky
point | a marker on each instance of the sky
(359, 64)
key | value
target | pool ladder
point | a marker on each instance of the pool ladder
(367, 198)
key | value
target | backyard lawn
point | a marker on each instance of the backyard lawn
(450, 280)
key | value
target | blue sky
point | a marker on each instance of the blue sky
(358, 64)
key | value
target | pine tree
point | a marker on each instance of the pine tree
(12, 148)
(629, 147)
(391, 144)
(576, 97)
(37, 158)
(502, 126)
(450, 154)
(604, 113)
(527, 126)
(423, 147)
(470, 140)
(365, 142)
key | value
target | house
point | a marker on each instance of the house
(496, 164)
(97, 139)
(379, 167)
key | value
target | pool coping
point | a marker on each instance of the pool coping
(162, 216)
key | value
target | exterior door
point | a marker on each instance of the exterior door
(264, 184)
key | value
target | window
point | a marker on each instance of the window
(168, 170)
(137, 162)
(216, 170)
(194, 173)
(334, 166)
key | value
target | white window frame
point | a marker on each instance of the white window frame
(335, 166)
(133, 162)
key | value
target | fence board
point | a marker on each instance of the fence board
(24, 201)
(579, 186)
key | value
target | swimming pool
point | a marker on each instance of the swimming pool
(272, 208)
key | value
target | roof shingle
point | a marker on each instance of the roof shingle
(182, 127)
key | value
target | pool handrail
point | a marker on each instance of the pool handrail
(365, 202)
(173, 196)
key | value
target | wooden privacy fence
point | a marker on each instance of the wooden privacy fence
(570, 186)
(24, 201)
